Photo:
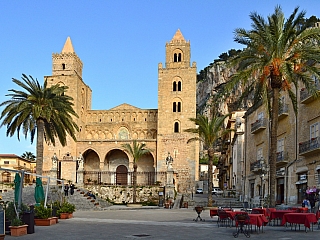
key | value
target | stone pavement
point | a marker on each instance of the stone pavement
(120, 222)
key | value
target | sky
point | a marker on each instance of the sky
(120, 43)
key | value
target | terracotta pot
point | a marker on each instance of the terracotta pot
(2, 236)
(64, 215)
(18, 230)
(44, 222)
(56, 219)
(70, 215)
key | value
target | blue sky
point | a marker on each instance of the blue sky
(120, 42)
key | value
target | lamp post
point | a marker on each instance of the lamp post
(263, 172)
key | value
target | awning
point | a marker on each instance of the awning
(301, 182)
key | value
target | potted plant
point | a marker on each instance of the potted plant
(66, 210)
(17, 227)
(43, 216)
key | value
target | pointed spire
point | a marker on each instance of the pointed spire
(68, 48)
(178, 37)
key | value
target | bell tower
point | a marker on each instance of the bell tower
(67, 62)
(67, 71)
(176, 105)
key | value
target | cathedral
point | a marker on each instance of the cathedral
(98, 156)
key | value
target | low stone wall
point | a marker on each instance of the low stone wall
(123, 194)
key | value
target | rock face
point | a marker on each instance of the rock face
(213, 78)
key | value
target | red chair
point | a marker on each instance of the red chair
(242, 224)
(224, 218)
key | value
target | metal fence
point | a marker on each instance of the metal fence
(126, 179)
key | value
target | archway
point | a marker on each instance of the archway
(122, 175)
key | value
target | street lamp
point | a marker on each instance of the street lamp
(263, 171)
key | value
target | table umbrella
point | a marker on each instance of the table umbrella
(39, 193)
(17, 180)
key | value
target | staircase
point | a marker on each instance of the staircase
(80, 201)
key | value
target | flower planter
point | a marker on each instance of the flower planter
(2, 236)
(45, 222)
(56, 219)
(64, 215)
(17, 231)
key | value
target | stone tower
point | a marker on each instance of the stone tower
(176, 104)
(67, 70)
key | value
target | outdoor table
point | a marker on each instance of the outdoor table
(264, 211)
(259, 220)
(278, 214)
(300, 209)
(299, 218)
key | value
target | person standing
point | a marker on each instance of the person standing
(66, 190)
(71, 189)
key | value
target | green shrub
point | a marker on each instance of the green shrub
(42, 212)
(66, 207)
(16, 222)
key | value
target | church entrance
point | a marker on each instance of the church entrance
(121, 175)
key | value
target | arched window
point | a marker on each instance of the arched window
(63, 66)
(179, 86)
(179, 107)
(179, 57)
(176, 127)
(174, 86)
(174, 107)
(175, 58)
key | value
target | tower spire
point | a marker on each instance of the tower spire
(68, 48)
(178, 37)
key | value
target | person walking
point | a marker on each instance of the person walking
(66, 190)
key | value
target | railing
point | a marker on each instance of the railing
(282, 156)
(309, 146)
(125, 179)
(258, 125)
(304, 93)
(283, 110)
(255, 165)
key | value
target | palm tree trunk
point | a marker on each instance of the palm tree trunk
(210, 163)
(134, 194)
(39, 150)
(273, 145)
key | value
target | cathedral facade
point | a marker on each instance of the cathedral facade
(98, 155)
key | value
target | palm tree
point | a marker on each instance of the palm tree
(39, 110)
(279, 54)
(209, 131)
(29, 156)
(137, 150)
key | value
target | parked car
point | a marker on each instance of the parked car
(217, 191)
(199, 191)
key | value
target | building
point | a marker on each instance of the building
(14, 162)
(298, 147)
(102, 132)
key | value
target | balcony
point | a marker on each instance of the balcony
(309, 147)
(306, 97)
(259, 125)
(282, 158)
(283, 111)
(255, 166)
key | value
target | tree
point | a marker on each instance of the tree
(41, 111)
(29, 156)
(279, 54)
(209, 131)
(137, 150)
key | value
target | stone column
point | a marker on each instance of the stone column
(80, 174)
(54, 170)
